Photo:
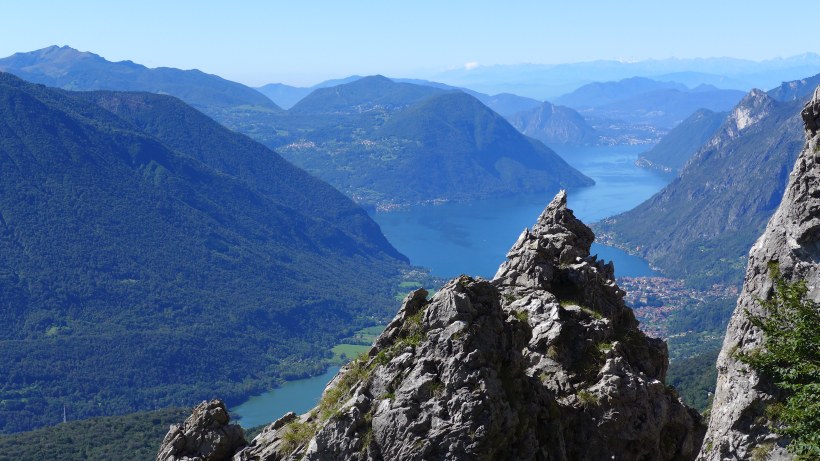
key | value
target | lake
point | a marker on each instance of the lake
(297, 396)
(473, 238)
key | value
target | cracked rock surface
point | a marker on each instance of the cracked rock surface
(738, 428)
(205, 436)
(544, 362)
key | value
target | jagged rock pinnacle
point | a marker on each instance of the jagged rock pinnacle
(543, 362)
(204, 436)
(557, 217)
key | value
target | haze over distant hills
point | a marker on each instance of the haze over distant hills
(505, 104)
(453, 149)
(131, 225)
(286, 96)
(681, 143)
(554, 125)
(548, 81)
(639, 100)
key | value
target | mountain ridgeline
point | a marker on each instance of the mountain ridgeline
(680, 144)
(723, 196)
(286, 96)
(458, 148)
(67, 68)
(640, 100)
(388, 143)
(131, 226)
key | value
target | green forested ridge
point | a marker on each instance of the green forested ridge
(191, 133)
(694, 378)
(335, 133)
(412, 144)
(133, 437)
(695, 338)
(705, 221)
(681, 143)
(135, 276)
(365, 94)
(67, 68)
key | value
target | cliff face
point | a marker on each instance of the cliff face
(722, 199)
(738, 426)
(544, 362)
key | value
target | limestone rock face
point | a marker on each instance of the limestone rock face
(738, 425)
(544, 362)
(205, 436)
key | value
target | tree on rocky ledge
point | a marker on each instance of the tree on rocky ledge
(790, 357)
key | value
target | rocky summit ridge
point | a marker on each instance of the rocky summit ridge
(544, 362)
(739, 427)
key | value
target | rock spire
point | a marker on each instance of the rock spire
(544, 362)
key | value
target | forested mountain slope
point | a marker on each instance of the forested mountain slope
(122, 248)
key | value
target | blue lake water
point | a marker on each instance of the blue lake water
(473, 238)
(296, 396)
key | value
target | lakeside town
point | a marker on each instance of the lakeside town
(655, 300)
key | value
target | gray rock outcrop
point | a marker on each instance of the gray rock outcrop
(205, 436)
(738, 427)
(544, 362)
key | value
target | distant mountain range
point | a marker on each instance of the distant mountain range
(131, 225)
(505, 104)
(552, 125)
(602, 94)
(548, 81)
(724, 195)
(69, 69)
(640, 100)
(681, 143)
(457, 148)
(286, 96)
(387, 143)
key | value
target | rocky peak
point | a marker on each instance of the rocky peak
(543, 362)
(751, 109)
(811, 115)
(205, 436)
(738, 428)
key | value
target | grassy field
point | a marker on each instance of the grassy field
(356, 344)
(343, 353)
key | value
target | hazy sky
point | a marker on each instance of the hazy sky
(306, 41)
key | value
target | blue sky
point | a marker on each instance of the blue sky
(306, 41)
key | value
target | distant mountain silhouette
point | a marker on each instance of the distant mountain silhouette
(644, 101)
(69, 69)
(681, 143)
(554, 125)
(387, 143)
